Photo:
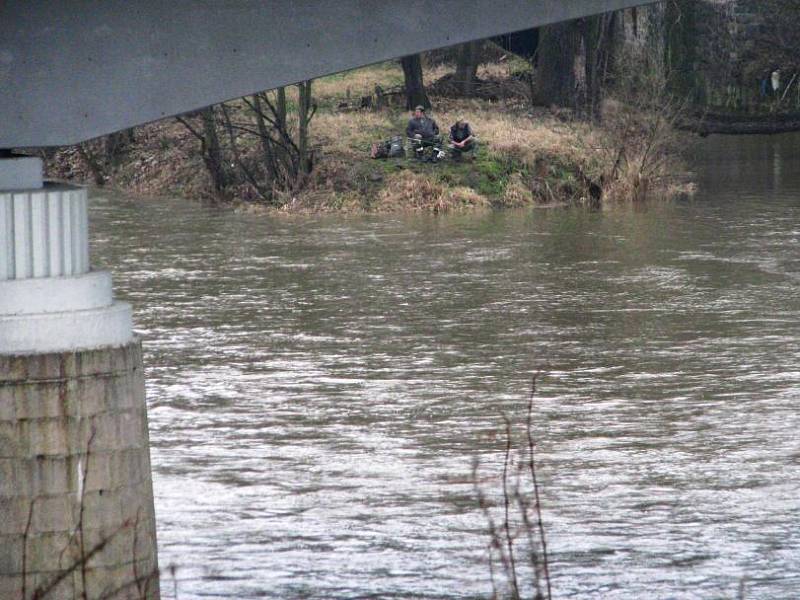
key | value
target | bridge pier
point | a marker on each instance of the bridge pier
(76, 498)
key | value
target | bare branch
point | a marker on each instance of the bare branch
(532, 469)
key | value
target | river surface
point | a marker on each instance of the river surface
(318, 388)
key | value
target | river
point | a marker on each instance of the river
(318, 388)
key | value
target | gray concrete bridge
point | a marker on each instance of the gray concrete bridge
(75, 69)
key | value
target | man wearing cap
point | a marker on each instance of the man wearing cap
(421, 125)
(424, 135)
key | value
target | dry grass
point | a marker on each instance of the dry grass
(350, 134)
(510, 133)
(517, 194)
(409, 191)
(359, 81)
(523, 136)
(525, 157)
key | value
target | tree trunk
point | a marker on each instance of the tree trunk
(415, 88)
(680, 47)
(281, 114)
(558, 48)
(212, 155)
(304, 116)
(264, 138)
(597, 34)
(467, 67)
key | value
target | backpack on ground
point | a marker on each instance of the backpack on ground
(396, 147)
(390, 148)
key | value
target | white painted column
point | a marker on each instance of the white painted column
(50, 300)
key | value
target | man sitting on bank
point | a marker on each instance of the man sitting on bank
(462, 139)
(423, 133)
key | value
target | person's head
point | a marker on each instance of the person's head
(461, 122)
(419, 111)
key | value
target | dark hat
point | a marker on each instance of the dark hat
(419, 107)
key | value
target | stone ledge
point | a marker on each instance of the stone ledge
(63, 365)
(80, 397)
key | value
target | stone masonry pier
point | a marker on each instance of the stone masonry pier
(76, 508)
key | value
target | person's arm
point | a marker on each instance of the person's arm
(410, 128)
(456, 143)
(469, 137)
(453, 139)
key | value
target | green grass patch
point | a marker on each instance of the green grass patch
(488, 174)
(491, 172)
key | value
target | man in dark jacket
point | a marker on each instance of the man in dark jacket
(422, 125)
(424, 135)
(462, 139)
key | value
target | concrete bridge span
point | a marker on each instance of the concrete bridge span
(76, 69)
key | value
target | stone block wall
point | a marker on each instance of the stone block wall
(76, 498)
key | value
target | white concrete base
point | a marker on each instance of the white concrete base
(55, 294)
(62, 314)
(49, 300)
(39, 333)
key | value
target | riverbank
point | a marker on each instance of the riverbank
(528, 156)
(741, 124)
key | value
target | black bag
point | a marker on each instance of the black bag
(391, 148)
(396, 147)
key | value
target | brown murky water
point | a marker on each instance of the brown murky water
(318, 388)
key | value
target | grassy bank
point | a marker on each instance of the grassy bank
(527, 156)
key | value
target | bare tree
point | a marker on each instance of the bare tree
(304, 115)
(680, 46)
(210, 146)
(102, 154)
(467, 67)
(517, 534)
(93, 160)
(270, 151)
(597, 37)
(117, 143)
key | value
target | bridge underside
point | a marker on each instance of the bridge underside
(74, 70)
